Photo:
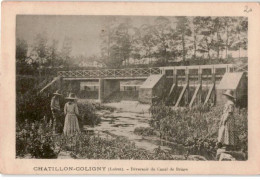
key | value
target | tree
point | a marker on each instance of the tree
(40, 45)
(183, 30)
(227, 25)
(195, 30)
(146, 41)
(53, 55)
(206, 36)
(217, 29)
(21, 50)
(66, 51)
(137, 49)
(162, 32)
(239, 38)
(116, 42)
(106, 38)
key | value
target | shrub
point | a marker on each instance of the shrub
(32, 107)
(35, 139)
(88, 114)
(195, 128)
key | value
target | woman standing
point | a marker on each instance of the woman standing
(71, 125)
(226, 135)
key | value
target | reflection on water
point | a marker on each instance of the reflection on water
(123, 121)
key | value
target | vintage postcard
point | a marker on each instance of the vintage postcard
(130, 88)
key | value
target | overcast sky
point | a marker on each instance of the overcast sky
(83, 30)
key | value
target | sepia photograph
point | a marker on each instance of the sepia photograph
(128, 87)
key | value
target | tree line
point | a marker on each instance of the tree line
(173, 39)
(44, 52)
(160, 42)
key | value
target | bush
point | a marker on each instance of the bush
(35, 139)
(88, 114)
(196, 128)
(32, 107)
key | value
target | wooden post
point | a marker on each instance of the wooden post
(214, 84)
(213, 73)
(187, 79)
(227, 69)
(175, 77)
(101, 90)
(200, 83)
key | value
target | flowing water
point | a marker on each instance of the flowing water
(122, 122)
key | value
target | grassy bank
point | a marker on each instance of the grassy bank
(196, 129)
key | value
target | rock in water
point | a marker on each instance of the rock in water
(64, 155)
(196, 158)
(226, 157)
(223, 155)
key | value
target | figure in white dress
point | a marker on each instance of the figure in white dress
(71, 125)
(226, 135)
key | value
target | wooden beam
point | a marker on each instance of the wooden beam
(174, 86)
(195, 95)
(51, 83)
(181, 95)
(212, 87)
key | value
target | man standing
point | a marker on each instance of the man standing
(56, 110)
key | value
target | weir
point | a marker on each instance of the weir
(178, 85)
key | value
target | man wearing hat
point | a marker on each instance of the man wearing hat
(56, 110)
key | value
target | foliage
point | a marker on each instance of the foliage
(21, 50)
(242, 129)
(35, 139)
(88, 114)
(195, 128)
(43, 54)
(31, 106)
(95, 147)
(174, 39)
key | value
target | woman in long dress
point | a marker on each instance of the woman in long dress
(226, 135)
(71, 125)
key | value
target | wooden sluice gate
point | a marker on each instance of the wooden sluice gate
(200, 84)
(178, 85)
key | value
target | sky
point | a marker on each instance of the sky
(83, 30)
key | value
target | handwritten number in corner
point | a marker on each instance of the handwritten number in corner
(247, 9)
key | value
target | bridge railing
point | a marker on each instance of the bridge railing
(206, 70)
(101, 73)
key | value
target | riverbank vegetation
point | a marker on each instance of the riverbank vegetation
(35, 140)
(194, 128)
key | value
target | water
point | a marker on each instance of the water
(122, 122)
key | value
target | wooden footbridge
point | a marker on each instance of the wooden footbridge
(127, 73)
(183, 85)
(141, 73)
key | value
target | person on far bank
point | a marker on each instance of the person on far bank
(56, 110)
(226, 134)
(71, 125)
